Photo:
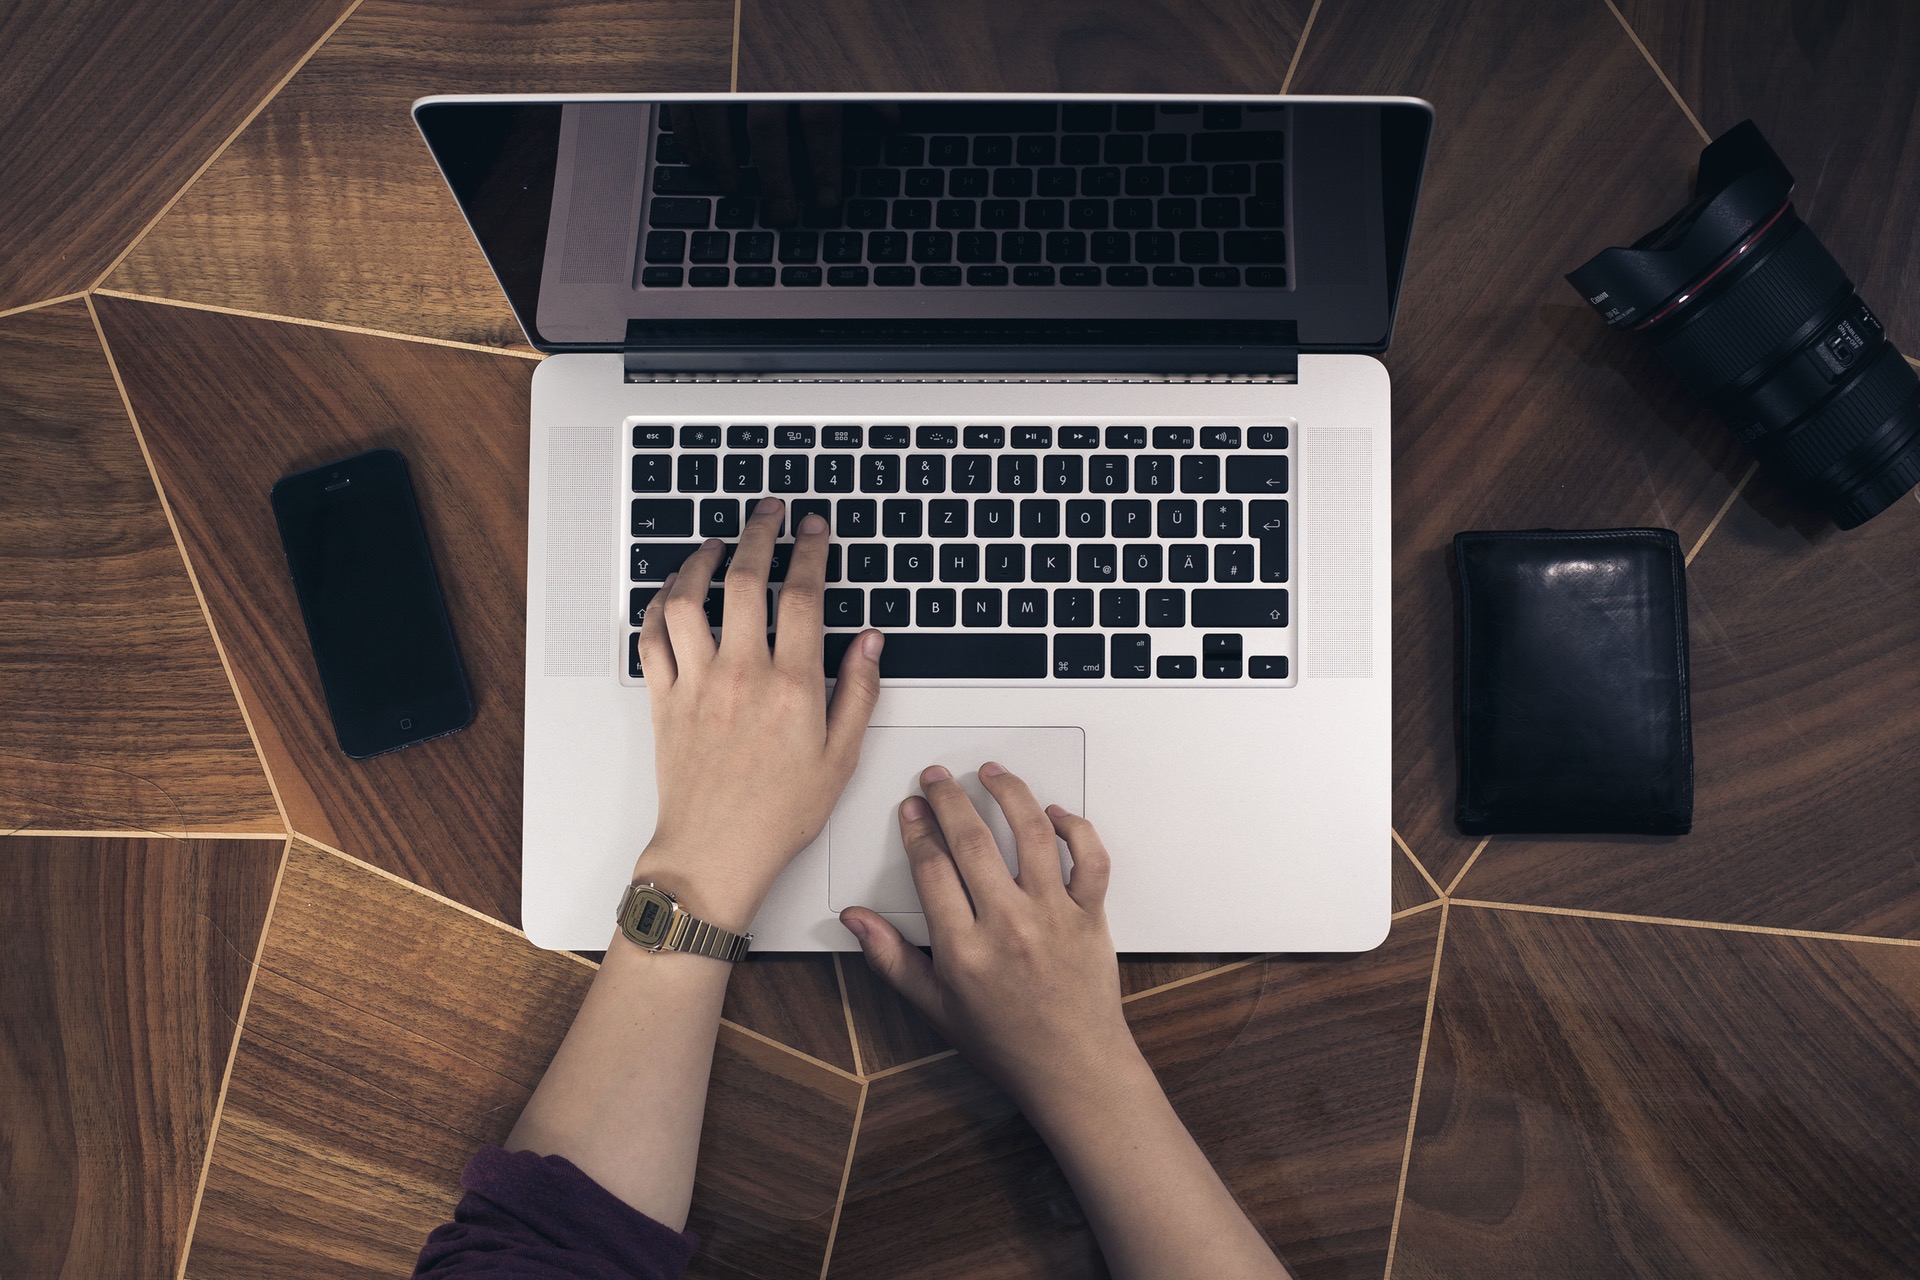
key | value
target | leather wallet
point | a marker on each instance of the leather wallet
(1573, 682)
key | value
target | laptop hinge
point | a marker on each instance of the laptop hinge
(997, 350)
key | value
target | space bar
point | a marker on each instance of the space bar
(986, 655)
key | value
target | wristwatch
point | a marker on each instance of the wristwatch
(651, 918)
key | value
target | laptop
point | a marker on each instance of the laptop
(1086, 388)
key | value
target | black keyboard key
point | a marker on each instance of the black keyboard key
(786, 473)
(980, 607)
(745, 437)
(1220, 518)
(799, 277)
(912, 562)
(753, 247)
(699, 473)
(912, 215)
(1039, 517)
(1220, 213)
(1257, 475)
(947, 518)
(652, 473)
(1222, 668)
(959, 562)
(936, 437)
(844, 607)
(902, 150)
(754, 277)
(1126, 437)
(1177, 519)
(1265, 211)
(1187, 562)
(1087, 215)
(1167, 607)
(887, 246)
(793, 437)
(832, 473)
(924, 184)
(1027, 608)
(1034, 151)
(679, 211)
(1079, 657)
(702, 436)
(1106, 473)
(1153, 473)
(663, 517)
(1033, 275)
(1219, 437)
(1233, 562)
(1019, 473)
(900, 518)
(846, 437)
(1154, 247)
(1243, 608)
(933, 246)
(1066, 246)
(1072, 607)
(1086, 518)
(1096, 562)
(985, 437)
(1127, 277)
(841, 246)
(947, 151)
(1187, 180)
(977, 246)
(1133, 215)
(962, 655)
(934, 607)
(926, 472)
(1269, 521)
(778, 564)
(993, 149)
(1251, 247)
(1112, 246)
(1199, 246)
(1247, 145)
(653, 561)
(801, 508)
(893, 276)
(999, 215)
(856, 518)
(954, 215)
(944, 277)
(846, 277)
(1140, 562)
(652, 435)
(1266, 437)
(741, 473)
(666, 246)
(1219, 277)
(1079, 437)
(1080, 275)
(889, 437)
(1130, 657)
(1167, 148)
(709, 246)
(707, 277)
(880, 473)
(733, 211)
(1200, 473)
(880, 184)
(1175, 667)
(866, 562)
(637, 601)
(1145, 180)
(1218, 115)
(1267, 668)
(1119, 607)
(1006, 562)
(992, 518)
(972, 474)
(1080, 151)
(1133, 518)
(1061, 473)
(1054, 184)
(1052, 562)
(1033, 437)
(891, 607)
(1229, 180)
(1173, 437)
(1044, 215)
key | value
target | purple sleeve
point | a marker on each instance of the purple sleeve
(534, 1216)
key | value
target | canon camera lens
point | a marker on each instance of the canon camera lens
(1744, 303)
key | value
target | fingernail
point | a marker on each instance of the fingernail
(1056, 811)
(870, 644)
(914, 808)
(934, 773)
(992, 769)
(857, 927)
(814, 523)
(766, 506)
(710, 542)
(670, 578)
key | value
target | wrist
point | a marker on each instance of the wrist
(702, 889)
(1116, 1081)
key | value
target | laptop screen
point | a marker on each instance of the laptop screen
(759, 221)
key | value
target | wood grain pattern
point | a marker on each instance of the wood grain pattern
(1802, 73)
(1078, 46)
(1295, 1076)
(123, 965)
(1806, 712)
(1616, 1099)
(310, 210)
(390, 1036)
(115, 713)
(1513, 406)
(794, 997)
(228, 405)
(107, 109)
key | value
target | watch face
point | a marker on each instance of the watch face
(650, 913)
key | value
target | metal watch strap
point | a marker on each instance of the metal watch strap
(703, 939)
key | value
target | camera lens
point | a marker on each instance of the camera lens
(1744, 304)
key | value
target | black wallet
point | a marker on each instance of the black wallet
(1573, 682)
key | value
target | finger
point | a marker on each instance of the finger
(969, 841)
(820, 132)
(773, 159)
(796, 640)
(943, 898)
(656, 651)
(686, 609)
(1091, 865)
(855, 690)
(899, 963)
(1033, 836)
(745, 625)
(709, 142)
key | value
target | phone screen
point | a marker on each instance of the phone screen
(378, 625)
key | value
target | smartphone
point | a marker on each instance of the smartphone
(375, 617)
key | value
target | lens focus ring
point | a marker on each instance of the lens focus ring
(1780, 291)
(1851, 418)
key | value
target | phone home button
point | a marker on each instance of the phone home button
(406, 722)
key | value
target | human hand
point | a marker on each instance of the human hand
(749, 756)
(1024, 979)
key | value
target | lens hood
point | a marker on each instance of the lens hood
(1742, 189)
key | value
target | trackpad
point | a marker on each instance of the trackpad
(866, 863)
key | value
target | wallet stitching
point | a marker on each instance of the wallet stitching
(1669, 542)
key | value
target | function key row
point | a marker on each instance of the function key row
(1101, 473)
(711, 436)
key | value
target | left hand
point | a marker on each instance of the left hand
(749, 755)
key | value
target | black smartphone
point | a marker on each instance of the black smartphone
(375, 617)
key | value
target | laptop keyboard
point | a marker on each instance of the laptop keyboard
(1146, 552)
(999, 195)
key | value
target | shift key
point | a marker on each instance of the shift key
(1239, 608)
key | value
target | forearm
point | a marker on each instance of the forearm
(624, 1097)
(1152, 1198)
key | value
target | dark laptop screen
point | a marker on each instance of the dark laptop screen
(742, 219)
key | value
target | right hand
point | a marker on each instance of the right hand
(1023, 978)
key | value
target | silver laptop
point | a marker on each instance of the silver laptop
(1085, 387)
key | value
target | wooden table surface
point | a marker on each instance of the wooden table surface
(260, 1002)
